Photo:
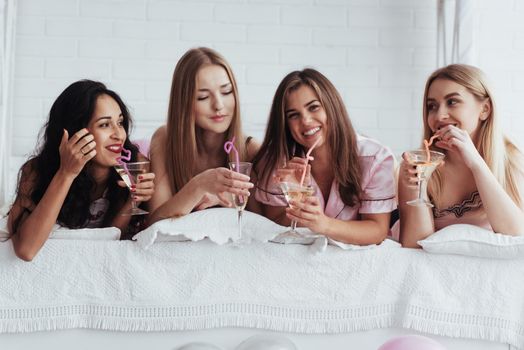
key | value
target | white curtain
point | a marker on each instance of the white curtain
(7, 47)
(456, 32)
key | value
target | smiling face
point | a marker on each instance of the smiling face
(107, 127)
(306, 117)
(451, 103)
(215, 99)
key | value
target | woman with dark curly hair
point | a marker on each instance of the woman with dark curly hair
(70, 180)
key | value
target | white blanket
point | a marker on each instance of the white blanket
(115, 285)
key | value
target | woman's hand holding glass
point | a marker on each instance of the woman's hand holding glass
(76, 151)
(308, 213)
(219, 180)
(423, 163)
(143, 189)
(409, 174)
(289, 180)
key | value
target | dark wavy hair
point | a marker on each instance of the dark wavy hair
(72, 111)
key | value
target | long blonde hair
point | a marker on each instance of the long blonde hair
(499, 153)
(182, 142)
(279, 144)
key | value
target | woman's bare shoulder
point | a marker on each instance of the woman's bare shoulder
(158, 141)
(160, 135)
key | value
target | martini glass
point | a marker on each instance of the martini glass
(425, 168)
(298, 193)
(240, 201)
(129, 173)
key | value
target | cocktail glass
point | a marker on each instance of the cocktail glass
(298, 193)
(425, 168)
(129, 173)
(240, 201)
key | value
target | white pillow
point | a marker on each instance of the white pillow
(217, 224)
(472, 240)
(59, 232)
(88, 234)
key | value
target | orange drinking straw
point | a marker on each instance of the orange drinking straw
(426, 145)
(307, 160)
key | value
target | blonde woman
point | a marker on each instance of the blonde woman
(187, 154)
(482, 179)
(353, 176)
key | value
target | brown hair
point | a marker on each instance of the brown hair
(279, 145)
(182, 141)
(499, 153)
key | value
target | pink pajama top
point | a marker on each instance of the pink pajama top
(377, 165)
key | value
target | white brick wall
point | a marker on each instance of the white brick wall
(377, 52)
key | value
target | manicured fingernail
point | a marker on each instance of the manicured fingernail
(135, 198)
(140, 177)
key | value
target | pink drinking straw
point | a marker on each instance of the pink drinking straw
(127, 157)
(307, 160)
(230, 146)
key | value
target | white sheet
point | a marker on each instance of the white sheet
(200, 285)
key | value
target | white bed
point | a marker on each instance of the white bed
(112, 294)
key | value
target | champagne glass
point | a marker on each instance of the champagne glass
(425, 168)
(240, 201)
(129, 173)
(298, 193)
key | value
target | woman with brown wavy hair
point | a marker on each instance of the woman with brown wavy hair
(187, 153)
(353, 176)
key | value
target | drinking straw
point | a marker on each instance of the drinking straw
(426, 146)
(127, 157)
(230, 146)
(307, 160)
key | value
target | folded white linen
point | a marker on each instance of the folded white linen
(60, 232)
(220, 225)
(119, 286)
